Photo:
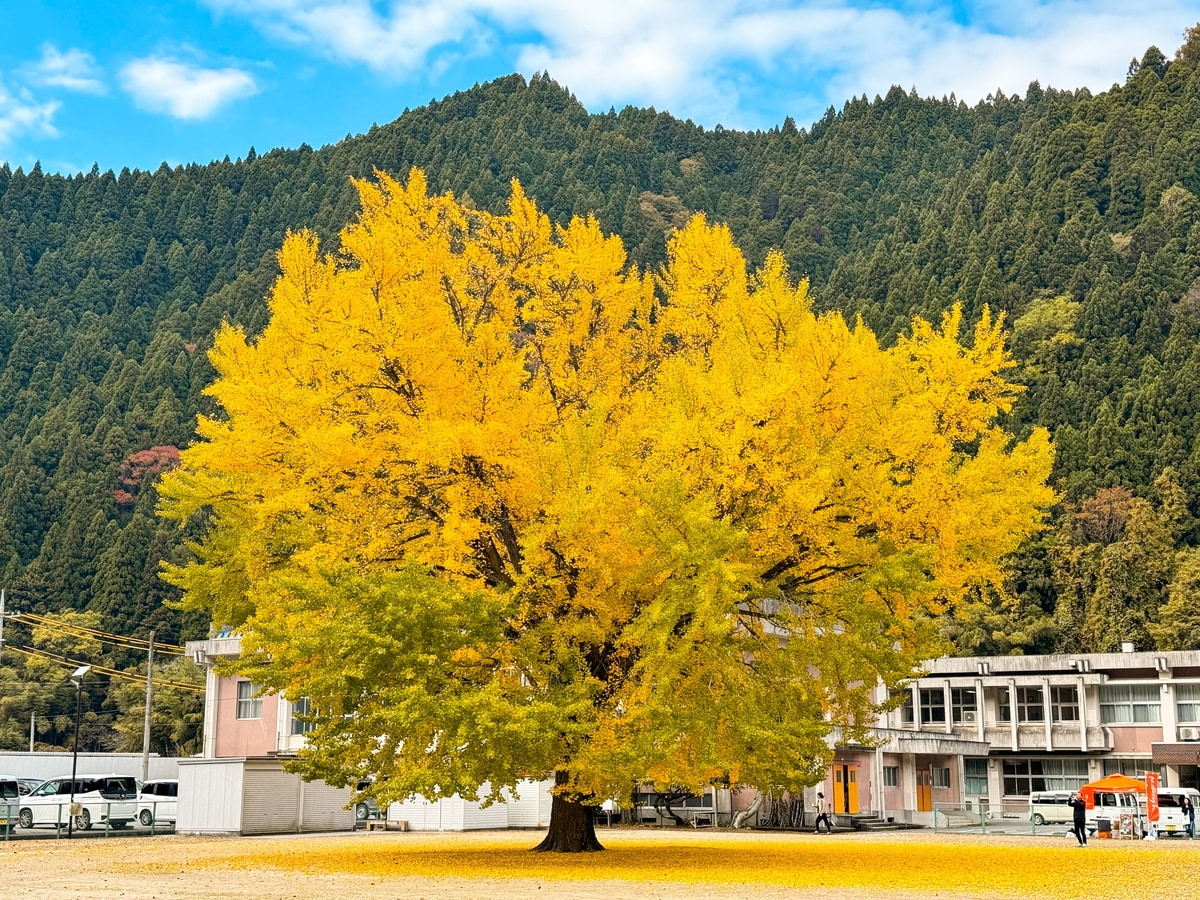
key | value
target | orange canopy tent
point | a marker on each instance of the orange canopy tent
(1121, 784)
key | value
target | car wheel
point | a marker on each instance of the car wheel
(25, 818)
(83, 821)
(361, 812)
(146, 817)
(1038, 820)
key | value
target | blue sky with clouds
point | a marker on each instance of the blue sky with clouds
(138, 83)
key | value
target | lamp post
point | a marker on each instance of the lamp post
(77, 680)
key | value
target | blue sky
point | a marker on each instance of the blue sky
(138, 83)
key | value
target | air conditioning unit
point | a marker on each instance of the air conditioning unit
(969, 716)
(1189, 734)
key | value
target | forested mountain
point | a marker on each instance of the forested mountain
(1076, 215)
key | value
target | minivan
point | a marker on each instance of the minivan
(158, 801)
(107, 799)
(1050, 806)
(10, 802)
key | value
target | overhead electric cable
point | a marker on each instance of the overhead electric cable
(131, 643)
(103, 670)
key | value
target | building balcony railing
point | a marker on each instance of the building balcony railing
(1063, 738)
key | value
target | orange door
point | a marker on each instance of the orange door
(924, 790)
(845, 790)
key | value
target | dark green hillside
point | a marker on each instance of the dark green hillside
(1075, 214)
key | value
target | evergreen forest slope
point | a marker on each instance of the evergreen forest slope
(1077, 215)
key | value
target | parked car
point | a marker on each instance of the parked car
(1050, 806)
(10, 802)
(158, 801)
(25, 785)
(365, 807)
(106, 799)
(1171, 819)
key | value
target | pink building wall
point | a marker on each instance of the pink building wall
(244, 737)
(1134, 738)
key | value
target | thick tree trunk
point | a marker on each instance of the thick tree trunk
(572, 825)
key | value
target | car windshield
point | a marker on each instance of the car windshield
(117, 788)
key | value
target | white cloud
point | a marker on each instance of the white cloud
(21, 114)
(74, 70)
(731, 60)
(183, 90)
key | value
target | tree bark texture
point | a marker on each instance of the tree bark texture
(572, 825)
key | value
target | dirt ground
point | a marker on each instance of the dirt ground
(172, 867)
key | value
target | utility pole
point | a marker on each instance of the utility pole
(149, 699)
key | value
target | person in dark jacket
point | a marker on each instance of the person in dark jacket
(1079, 808)
(1189, 812)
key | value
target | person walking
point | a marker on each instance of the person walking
(823, 815)
(1189, 811)
(1079, 808)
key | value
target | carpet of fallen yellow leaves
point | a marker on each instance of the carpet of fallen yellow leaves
(637, 863)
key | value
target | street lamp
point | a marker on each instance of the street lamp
(77, 680)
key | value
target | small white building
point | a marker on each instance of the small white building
(254, 795)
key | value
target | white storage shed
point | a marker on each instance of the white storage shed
(530, 808)
(254, 795)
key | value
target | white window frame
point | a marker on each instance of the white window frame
(1029, 698)
(933, 705)
(963, 701)
(1131, 704)
(1187, 703)
(249, 701)
(1064, 703)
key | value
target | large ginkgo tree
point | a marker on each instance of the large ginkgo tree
(499, 506)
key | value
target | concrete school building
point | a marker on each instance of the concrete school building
(974, 733)
(983, 733)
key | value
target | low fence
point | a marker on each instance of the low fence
(69, 818)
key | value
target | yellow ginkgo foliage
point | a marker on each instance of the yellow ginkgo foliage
(500, 506)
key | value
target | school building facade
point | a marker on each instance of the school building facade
(986, 732)
(977, 733)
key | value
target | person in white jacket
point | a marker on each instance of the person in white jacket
(823, 815)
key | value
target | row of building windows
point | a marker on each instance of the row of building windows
(1120, 704)
(250, 706)
(1022, 777)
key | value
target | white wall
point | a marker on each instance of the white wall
(47, 764)
(531, 810)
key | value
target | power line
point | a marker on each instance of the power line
(130, 643)
(103, 670)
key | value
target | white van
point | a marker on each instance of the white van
(108, 799)
(1171, 819)
(158, 801)
(10, 802)
(1111, 805)
(1050, 807)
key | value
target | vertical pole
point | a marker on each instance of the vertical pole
(31, 718)
(1, 622)
(75, 755)
(149, 699)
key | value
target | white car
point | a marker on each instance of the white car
(158, 801)
(102, 799)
